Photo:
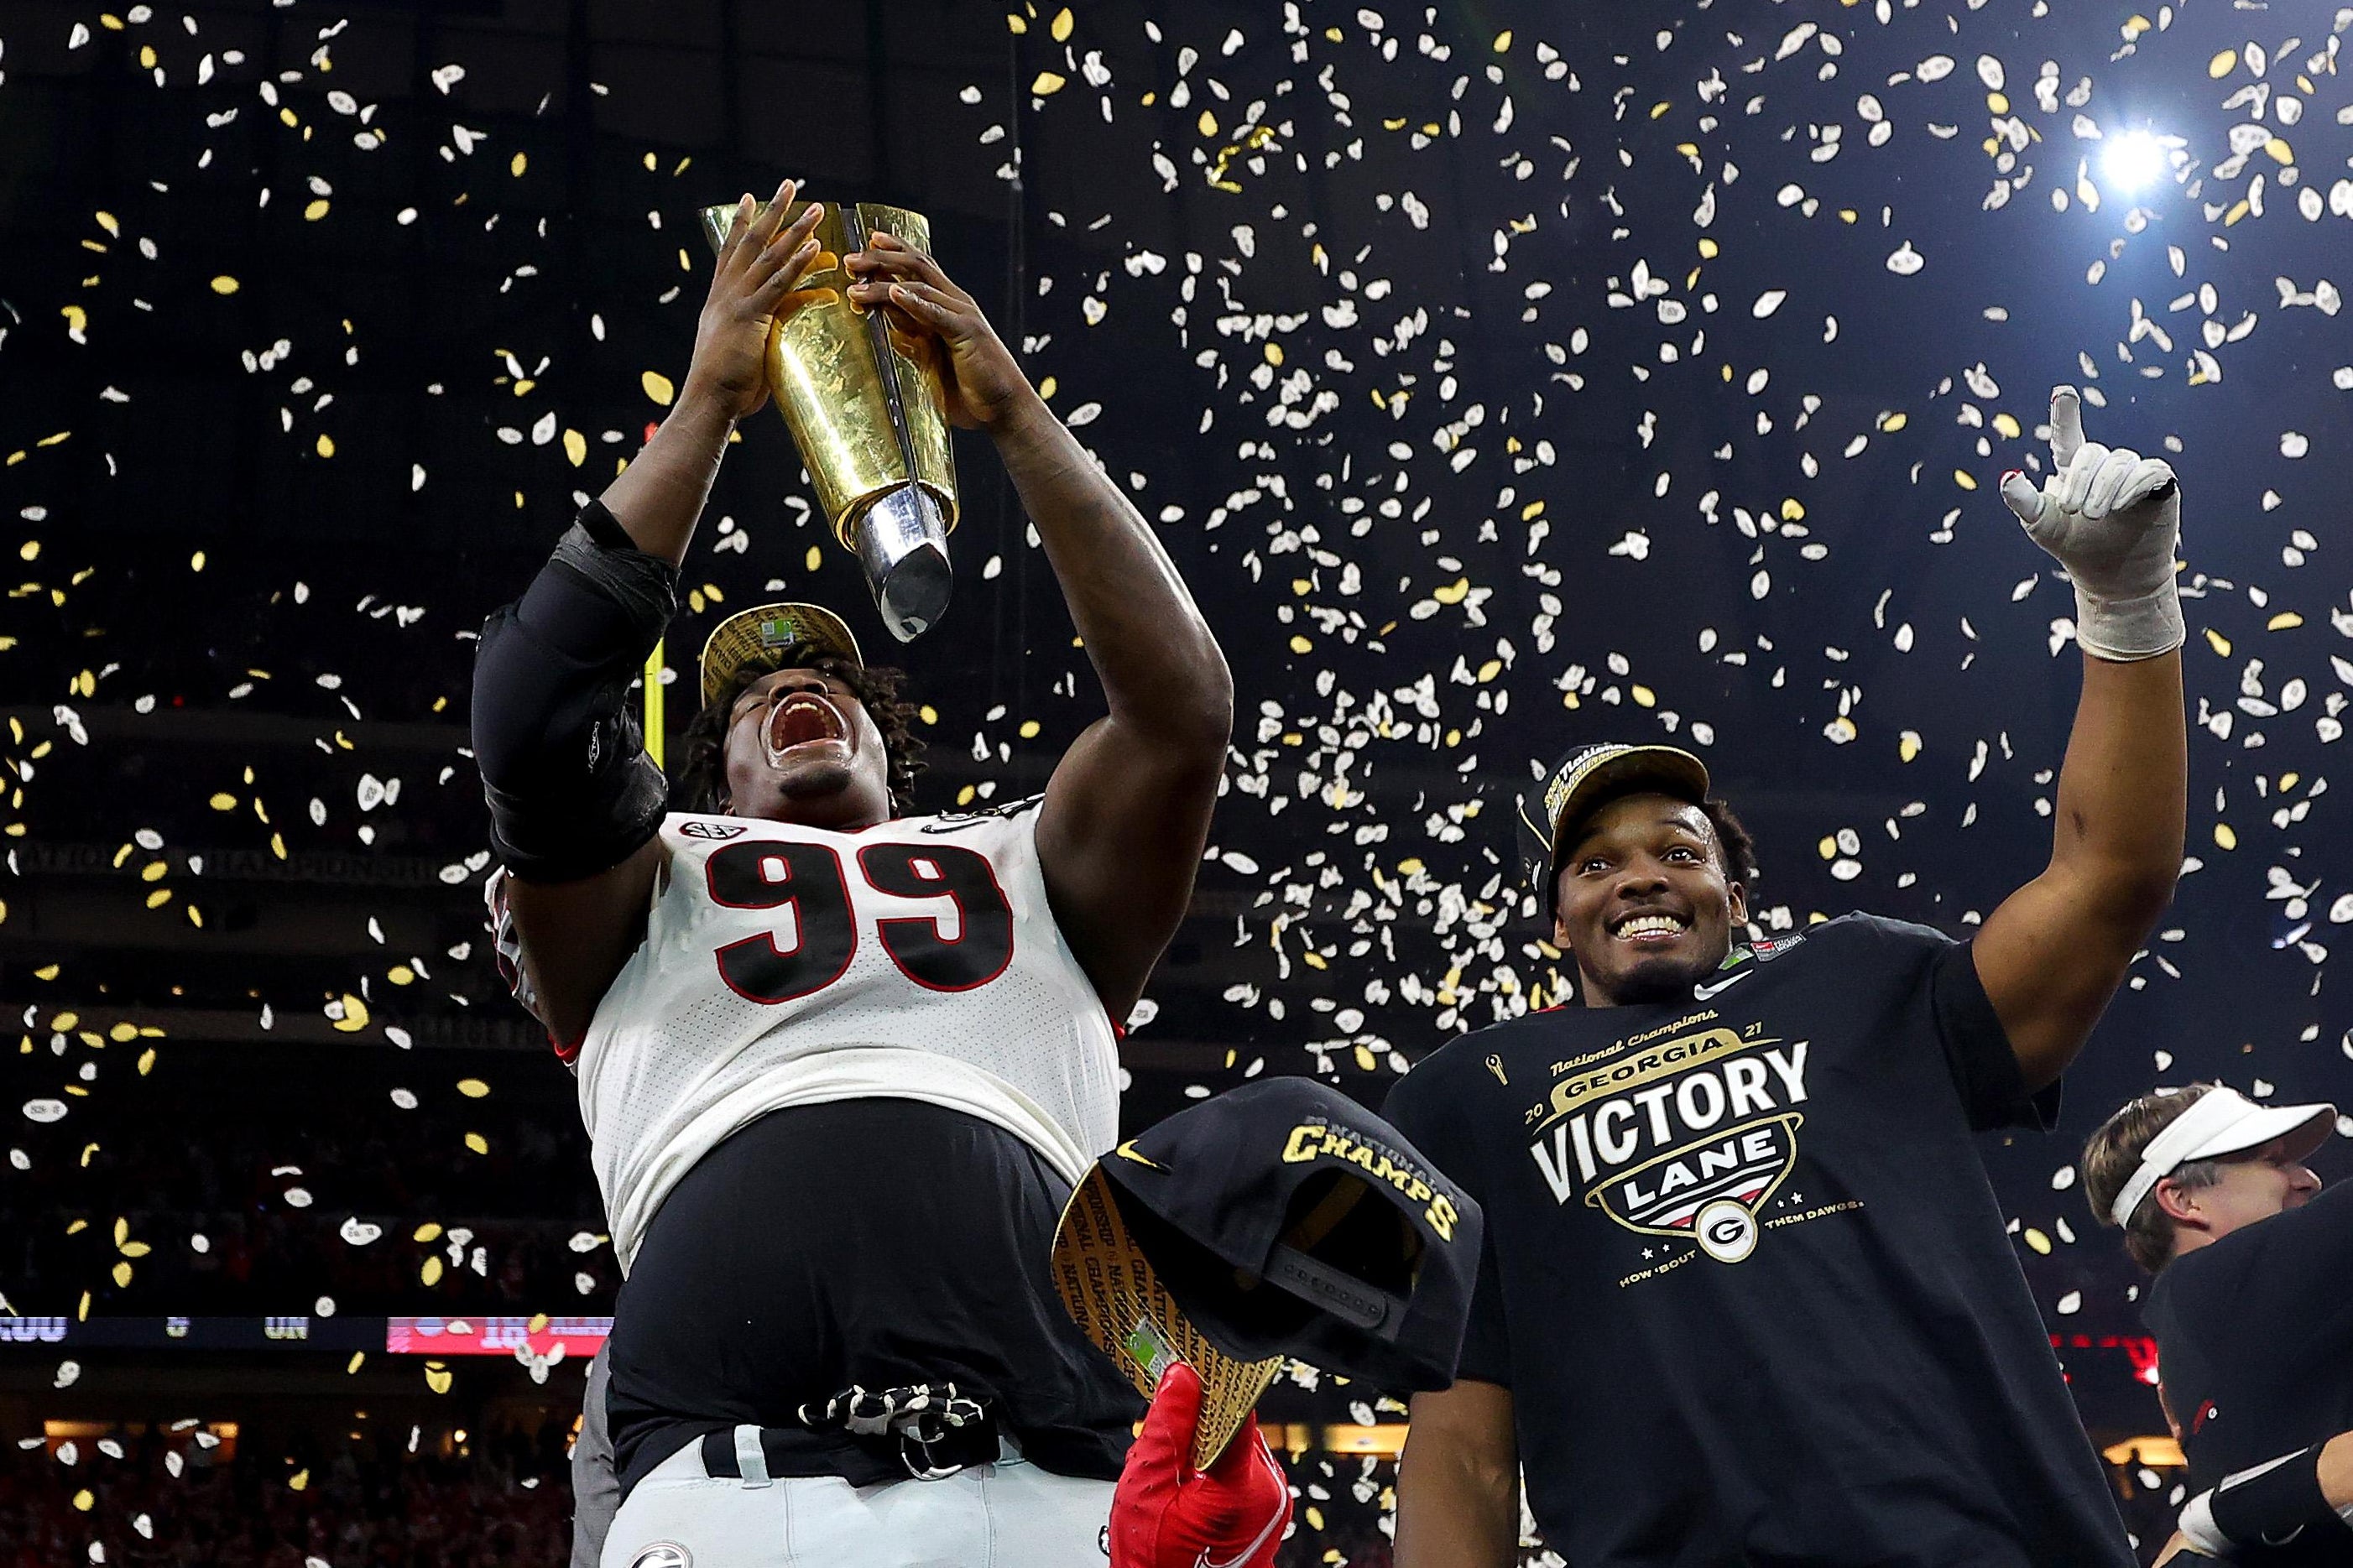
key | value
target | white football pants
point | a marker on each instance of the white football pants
(1011, 1514)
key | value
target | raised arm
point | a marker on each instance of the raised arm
(2056, 949)
(1128, 809)
(574, 801)
(1458, 1490)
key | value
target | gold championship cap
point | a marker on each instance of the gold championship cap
(767, 629)
(1111, 1290)
(1277, 1219)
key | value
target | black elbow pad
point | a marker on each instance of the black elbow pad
(570, 788)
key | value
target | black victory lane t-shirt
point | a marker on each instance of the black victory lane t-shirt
(2254, 1341)
(1747, 1280)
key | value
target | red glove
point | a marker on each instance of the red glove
(1166, 1514)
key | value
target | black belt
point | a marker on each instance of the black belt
(923, 1457)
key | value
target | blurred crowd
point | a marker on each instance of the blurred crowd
(501, 1501)
(257, 1221)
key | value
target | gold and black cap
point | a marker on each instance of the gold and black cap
(764, 629)
(1586, 779)
(1278, 1219)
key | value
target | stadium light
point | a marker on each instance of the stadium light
(2133, 162)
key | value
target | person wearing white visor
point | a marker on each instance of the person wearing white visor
(2251, 1312)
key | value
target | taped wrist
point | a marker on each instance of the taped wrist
(2126, 630)
(2268, 1505)
(570, 789)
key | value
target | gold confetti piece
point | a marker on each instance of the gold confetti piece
(2280, 150)
(359, 1359)
(1045, 389)
(2037, 1240)
(658, 387)
(401, 974)
(224, 803)
(429, 1231)
(355, 1015)
(1207, 123)
(85, 1499)
(2225, 836)
(225, 285)
(146, 1061)
(31, 550)
(1892, 422)
(431, 1272)
(478, 1144)
(473, 1088)
(575, 447)
(197, 562)
(2220, 65)
(1045, 84)
(2218, 642)
(1828, 847)
(159, 898)
(315, 211)
(518, 164)
(1015, 23)
(1300, 644)
(106, 221)
(2285, 621)
(814, 556)
(1792, 510)
(1964, 478)
(438, 1377)
(1029, 729)
(121, 1272)
(1643, 695)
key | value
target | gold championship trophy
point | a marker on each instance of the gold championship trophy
(868, 419)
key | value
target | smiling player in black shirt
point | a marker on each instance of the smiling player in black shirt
(1747, 1296)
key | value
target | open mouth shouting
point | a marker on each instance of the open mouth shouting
(801, 718)
(1653, 928)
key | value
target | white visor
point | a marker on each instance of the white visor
(2223, 1122)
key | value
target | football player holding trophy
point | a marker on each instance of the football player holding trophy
(841, 1065)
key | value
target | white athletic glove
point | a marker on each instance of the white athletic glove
(2113, 519)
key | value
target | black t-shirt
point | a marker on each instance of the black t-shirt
(1747, 1280)
(2254, 1340)
(877, 1242)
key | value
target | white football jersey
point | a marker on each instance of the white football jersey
(788, 966)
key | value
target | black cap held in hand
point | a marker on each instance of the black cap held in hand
(1285, 1219)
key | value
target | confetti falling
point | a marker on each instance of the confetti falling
(1636, 374)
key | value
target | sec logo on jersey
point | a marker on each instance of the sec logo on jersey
(711, 829)
(663, 1554)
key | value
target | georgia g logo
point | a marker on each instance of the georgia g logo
(663, 1554)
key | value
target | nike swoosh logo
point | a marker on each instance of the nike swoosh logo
(1127, 1152)
(1274, 1524)
(1702, 993)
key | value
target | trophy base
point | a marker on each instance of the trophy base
(903, 542)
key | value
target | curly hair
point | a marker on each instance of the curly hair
(698, 782)
(1733, 837)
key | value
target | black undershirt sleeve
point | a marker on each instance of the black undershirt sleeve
(570, 788)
